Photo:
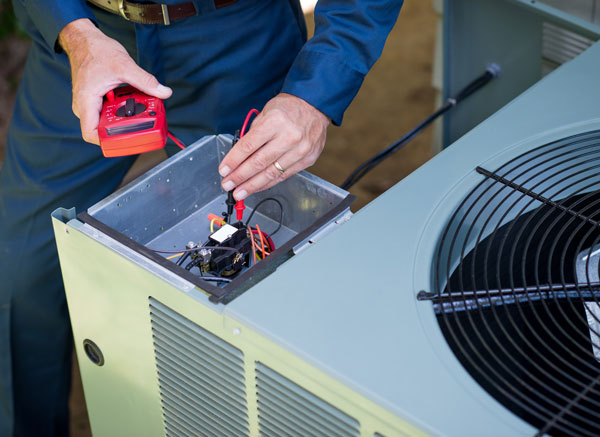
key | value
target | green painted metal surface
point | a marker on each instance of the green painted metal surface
(107, 297)
(108, 302)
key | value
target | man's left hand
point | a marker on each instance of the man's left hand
(288, 131)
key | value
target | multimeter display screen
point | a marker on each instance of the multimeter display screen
(130, 128)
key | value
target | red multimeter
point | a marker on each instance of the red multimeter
(131, 122)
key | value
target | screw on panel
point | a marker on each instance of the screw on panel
(237, 331)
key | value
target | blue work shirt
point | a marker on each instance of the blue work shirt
(327, 73)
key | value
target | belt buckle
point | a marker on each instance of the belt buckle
(165, 14)
(121, 4)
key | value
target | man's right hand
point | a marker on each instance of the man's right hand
(98, 65)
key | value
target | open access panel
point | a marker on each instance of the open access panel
(166, 216)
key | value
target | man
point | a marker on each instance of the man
(212, 60)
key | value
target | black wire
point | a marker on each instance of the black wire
(216, 279)
(491, 72)
(182, 259)
(230, 202)
(280, 214)
(195, 249)
(194, 263)
(368, 165)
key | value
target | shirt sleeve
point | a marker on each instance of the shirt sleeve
(349, 37)
(51, 16)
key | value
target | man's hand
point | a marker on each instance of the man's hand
(289, 131)
(98, 65)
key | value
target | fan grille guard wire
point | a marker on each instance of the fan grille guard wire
(506, 290)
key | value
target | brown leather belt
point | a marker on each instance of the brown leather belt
(153, 13)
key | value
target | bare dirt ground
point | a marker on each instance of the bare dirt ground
(396, 95)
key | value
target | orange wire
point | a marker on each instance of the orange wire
(253, 244)
(262, 241)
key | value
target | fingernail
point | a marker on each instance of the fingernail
(163, 89)
(228, 186)
(224, 171)
(241, 195)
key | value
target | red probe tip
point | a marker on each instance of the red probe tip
(239, 209)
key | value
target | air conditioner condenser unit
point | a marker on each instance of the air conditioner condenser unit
(463, 301)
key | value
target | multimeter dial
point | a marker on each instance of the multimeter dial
(130, 108)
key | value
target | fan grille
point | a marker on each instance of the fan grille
(559, 46)
(516, 275)
(201, 377)
(284, 408)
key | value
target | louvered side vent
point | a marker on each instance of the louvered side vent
(201, 378)
(284, 408)
(559, 46)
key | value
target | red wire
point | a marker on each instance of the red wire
(269, 239)
(245, 125)
(175, 140)
(239, 206)
(271, 244)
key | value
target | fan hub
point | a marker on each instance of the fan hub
(587, 268)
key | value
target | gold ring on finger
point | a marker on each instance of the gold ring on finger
(279, 167)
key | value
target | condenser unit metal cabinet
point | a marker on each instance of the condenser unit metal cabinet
(528, 39)
(349, 335)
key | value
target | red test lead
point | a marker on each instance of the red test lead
(239, 206)
(239, 210)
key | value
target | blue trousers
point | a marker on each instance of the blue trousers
(219, 64)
